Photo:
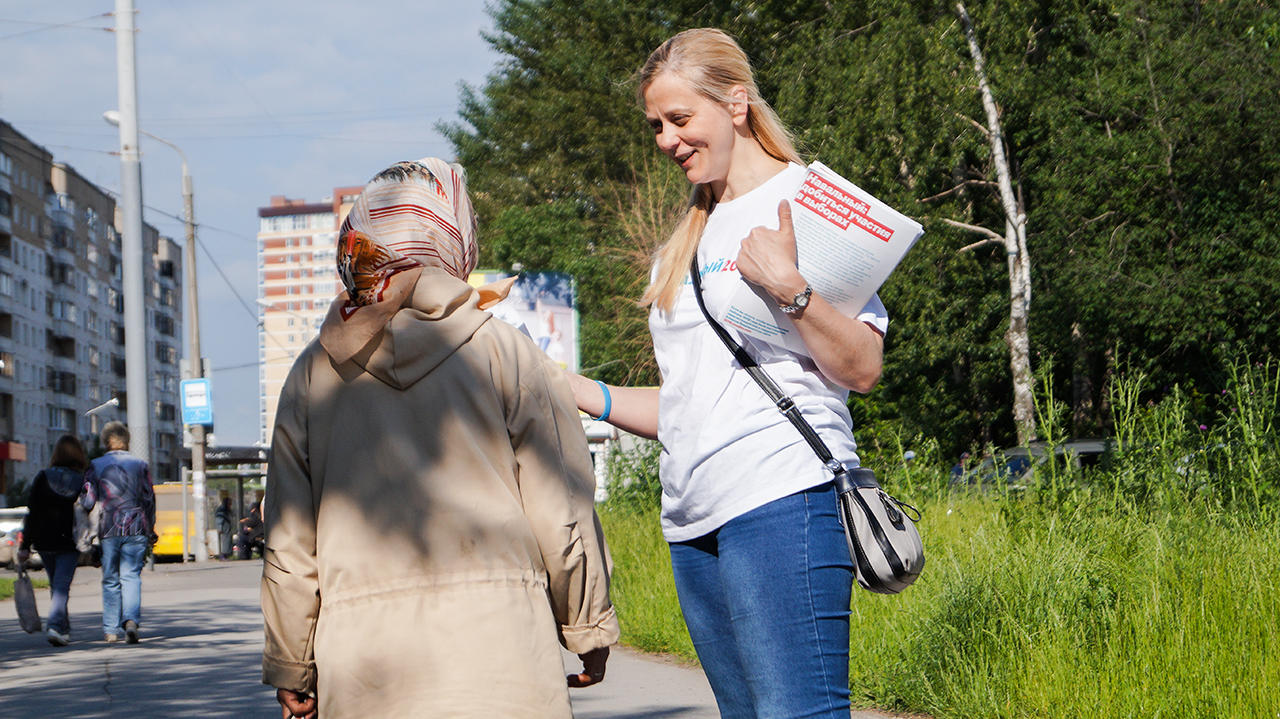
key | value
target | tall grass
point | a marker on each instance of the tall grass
(1146, 587)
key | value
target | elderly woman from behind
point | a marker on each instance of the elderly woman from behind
(430, 523)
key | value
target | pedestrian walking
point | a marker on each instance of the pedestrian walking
(761, 566)
(121, 484)
(50, 526)
(431, 530)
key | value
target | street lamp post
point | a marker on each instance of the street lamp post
(195, 365)
(135, 315)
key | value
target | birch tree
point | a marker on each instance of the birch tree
(1014, 240)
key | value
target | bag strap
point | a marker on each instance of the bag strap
(784, 403)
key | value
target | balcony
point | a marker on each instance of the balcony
(63, 242)
(61, 382)
(60, 345)
(63, 219)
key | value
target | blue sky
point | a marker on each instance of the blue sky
(265, 98)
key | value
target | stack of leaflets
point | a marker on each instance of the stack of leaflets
(847, 243)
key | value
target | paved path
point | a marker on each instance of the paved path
(201, 654)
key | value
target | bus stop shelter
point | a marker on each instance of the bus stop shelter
(230, 468)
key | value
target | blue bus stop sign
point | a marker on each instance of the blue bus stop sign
(197, 402)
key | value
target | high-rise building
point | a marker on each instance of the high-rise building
(297, 279)
(62, 314)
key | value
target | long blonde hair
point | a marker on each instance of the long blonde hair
(712, 63)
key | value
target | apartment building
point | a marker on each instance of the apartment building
(297, 279)
(62, 314)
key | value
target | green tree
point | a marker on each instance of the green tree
(1146, 146)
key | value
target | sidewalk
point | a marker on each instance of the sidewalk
(201, 654)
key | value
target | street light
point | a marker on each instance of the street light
(113, 402)
(131, 245)
(195, 366)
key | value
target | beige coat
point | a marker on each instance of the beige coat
(430, 525)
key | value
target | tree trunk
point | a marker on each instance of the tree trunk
(1015, 243)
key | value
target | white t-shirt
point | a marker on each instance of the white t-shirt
(726, 447)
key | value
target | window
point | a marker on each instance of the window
(166, 353)
(6, 284)
(6, 364)
(273, 224)
(60, 382)
(60, 419)
(164, 411)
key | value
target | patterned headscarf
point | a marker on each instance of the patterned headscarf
(410, 216)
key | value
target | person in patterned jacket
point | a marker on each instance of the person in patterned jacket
(121, 482)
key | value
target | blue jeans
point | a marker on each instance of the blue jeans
(766, 600)
(61, 568)
(122, 579)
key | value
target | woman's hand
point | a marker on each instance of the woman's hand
(767, 258)
(592, 668)
(848, 352)
(295, 704)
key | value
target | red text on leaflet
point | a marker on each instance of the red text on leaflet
(840, 208)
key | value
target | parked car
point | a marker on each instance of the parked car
(9, 542)
(1015, 467)
(11, 519)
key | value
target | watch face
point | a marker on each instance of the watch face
(802, 299)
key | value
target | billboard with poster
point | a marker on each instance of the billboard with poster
(544, 306)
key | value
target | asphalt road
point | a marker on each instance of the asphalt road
(201, 653)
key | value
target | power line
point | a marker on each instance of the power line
(73, 24)
(226, 279)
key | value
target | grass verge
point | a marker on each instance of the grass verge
(1094, 612)
(6, 585)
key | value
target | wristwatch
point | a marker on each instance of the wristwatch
(799, 302)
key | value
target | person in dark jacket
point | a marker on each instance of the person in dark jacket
(50, 528)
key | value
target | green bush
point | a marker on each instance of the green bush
(633, 477)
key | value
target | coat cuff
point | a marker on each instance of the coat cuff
(295, 676)
(582, 638)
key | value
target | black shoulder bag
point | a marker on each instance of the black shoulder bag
(883, 541)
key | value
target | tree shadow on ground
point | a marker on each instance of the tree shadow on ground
(170, 673)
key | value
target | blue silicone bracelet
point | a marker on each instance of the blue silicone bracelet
(608, 402)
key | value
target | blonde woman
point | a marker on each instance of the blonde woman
(760, 560)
